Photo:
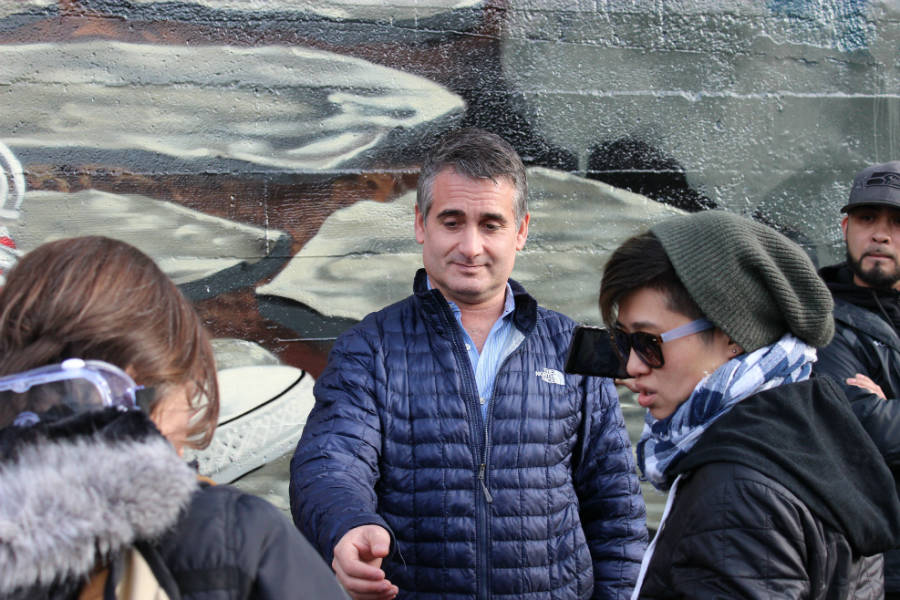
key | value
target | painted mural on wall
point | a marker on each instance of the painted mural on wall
(265, 152)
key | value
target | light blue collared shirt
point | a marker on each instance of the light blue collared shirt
(498, 345)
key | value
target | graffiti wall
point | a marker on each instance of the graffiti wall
(265, 152)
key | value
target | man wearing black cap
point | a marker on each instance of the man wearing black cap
(865, 352)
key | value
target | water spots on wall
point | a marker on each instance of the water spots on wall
(266, 153)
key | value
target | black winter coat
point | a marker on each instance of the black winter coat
(866, 341)
(231, 545)
(779, 498)
(76, 492)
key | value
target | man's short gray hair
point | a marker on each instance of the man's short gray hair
(476, 154)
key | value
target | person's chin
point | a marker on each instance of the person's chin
(879, 277)
(473, 279)
(469, 292)
(877, 264)
(658, 408)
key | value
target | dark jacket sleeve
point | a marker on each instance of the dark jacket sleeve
(286, 562)
(880, 418)
(230, 544)
(842, 359)
(335, 466)
(612, 508)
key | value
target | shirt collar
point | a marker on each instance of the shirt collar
(509, 303)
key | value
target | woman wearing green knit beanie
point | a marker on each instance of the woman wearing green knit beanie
(775, 490)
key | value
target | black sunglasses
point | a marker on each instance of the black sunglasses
(648, 346)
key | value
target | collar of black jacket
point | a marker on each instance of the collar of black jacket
(839, 279)
(524, 315)
(884, 303)
(78, 490)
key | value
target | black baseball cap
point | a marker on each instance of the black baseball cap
(878, 185)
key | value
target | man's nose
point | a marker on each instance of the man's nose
(882, 230)
(470, 243)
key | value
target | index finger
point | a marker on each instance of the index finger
(365, 588)
(629, 383)
(353, 567)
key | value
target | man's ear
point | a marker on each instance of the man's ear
(522, 234)
(420, 226)
(844, 221)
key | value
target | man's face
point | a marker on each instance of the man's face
(470, 238)
(872, 234)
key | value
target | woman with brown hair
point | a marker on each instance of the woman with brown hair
(79, 486)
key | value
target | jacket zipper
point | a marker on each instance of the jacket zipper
(483, 507)
(482, 451)
(471, 396)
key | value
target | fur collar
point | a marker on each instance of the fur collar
(70, 497)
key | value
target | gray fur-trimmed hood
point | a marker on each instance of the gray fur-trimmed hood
(76, 491)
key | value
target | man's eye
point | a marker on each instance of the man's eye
(492, 226)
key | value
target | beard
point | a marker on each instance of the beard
(877, 277)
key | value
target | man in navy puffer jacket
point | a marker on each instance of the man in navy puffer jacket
(448, 455)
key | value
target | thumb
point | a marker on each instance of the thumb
(379, 542)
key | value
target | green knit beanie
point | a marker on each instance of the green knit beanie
(751, 281)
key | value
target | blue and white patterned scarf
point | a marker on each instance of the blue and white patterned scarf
(664, 441)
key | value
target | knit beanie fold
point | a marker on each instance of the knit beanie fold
(751, 281)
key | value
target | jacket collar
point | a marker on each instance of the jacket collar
(76, 492)
(865, 321)
(435, 305)
(857, 307)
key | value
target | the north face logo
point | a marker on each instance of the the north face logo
(551, 376)
(879, 178)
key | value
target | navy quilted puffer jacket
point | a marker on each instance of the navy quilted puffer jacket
(539, 500)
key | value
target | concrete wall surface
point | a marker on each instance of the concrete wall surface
(265, 152)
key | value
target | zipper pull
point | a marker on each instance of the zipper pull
(487, 494)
